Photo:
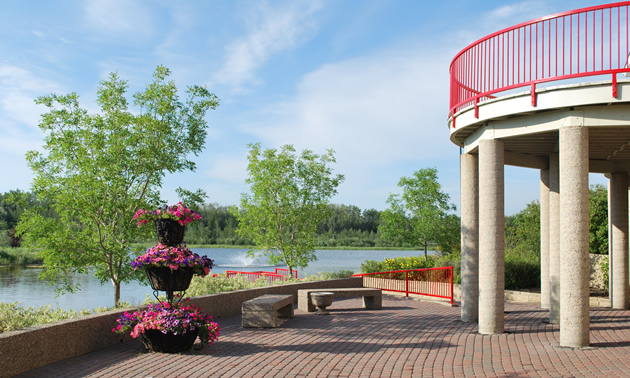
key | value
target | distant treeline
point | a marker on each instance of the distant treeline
(347, 226)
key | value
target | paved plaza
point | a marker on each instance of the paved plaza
(407, 338)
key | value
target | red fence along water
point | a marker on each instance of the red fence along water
(281, 274)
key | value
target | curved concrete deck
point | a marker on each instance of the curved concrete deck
(406, 338)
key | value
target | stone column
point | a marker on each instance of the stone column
(619, 229)
(574, 233)
(470, 237)
(491, 237)
(554, 239)
(544, 238)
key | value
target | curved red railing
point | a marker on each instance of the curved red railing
(584, 42)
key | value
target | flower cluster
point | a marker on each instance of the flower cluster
(175, 318)
(178, 212)
(173, 257)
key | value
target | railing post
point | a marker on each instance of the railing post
(452, 294)
(407, 283)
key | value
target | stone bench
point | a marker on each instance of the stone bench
(264, 311)
(372, 298)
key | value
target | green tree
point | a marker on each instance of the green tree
(99, 169)
(522, 230)
(289, 199)
(598, 218)
(418, 215)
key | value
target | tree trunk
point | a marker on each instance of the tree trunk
(116, 293)
(426, 258)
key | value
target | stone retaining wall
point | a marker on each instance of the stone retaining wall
(37, 346)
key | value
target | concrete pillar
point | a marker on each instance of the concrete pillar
(470, 237)
(574, 234)
(554, 239)
(491, 237)
(619, 228)
(544, 238)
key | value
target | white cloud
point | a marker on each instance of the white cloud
(119, 17)
(19, 90)
(374, 110)
(271, 30)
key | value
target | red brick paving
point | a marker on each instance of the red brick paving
(407, 338)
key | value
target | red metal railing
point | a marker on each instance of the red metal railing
(432, 282)
(280, 274)
(584, 42)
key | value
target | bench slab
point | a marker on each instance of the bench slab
(372, 298)
(264, 311)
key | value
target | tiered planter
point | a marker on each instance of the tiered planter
(170, 233)
(173, 326)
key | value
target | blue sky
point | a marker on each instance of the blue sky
(368, 78)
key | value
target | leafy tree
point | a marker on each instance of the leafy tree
(99, 169)
(598, 218)
(289, 199)
(418, 215)
(522, 230)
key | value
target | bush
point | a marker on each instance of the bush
(336, 275)
(454, 260)
(373, 266)
(14, 316)
(522, 270)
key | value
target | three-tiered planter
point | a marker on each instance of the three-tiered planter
(171, 326)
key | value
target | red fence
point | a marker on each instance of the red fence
(432, 282)
(281, 274)
(584, 42)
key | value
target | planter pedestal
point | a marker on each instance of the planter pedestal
(156, 341)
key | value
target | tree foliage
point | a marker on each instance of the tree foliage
(421, 215)
(288, 200)
(99, 169)
(598, 218)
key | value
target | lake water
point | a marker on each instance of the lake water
(19, 284)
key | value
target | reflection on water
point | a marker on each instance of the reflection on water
(19, 284)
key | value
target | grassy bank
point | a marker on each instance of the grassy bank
(19, 256)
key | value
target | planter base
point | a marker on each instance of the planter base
(156, 341)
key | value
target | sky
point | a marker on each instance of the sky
(367, 78)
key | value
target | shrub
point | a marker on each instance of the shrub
(373, 266)
(336, 275)
(454, 260)
(14, 316)
(522, 270)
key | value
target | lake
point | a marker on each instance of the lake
(19, 284)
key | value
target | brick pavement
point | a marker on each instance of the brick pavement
(408, 338)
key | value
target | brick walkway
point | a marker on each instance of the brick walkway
(407, 338)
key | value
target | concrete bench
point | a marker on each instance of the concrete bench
(264, 311)
(372, 298)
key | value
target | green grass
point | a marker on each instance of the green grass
(19, 256)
